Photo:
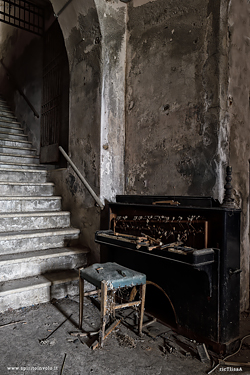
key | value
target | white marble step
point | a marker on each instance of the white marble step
(18, 266)
(11, 129)
(22, 175)
(6, 112)
(35, 240)
(9, 121)
(23, 159)
(8, 189)
(29, 204)
(11, 136)
(13, 222)
(14, 150)
(37, 289)
(21, 166)
(7, 117)
(5, 106)
(5, 141)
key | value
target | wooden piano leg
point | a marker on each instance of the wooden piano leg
(142, 306)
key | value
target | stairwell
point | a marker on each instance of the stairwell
(37, 262)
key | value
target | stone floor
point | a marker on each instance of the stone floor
(26, 348)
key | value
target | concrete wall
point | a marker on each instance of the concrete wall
(239, 118)
(172, 98)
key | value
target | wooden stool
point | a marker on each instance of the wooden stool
(108, 278)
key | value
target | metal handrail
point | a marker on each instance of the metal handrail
(20, 90)
(91, 191)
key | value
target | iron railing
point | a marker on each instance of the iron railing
(91, 191)
(22, 14)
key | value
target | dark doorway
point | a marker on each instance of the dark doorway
(55, 100)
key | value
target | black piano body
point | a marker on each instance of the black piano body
(200, 273)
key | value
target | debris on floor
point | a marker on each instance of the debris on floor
(125, 340)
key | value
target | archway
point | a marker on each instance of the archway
(55, 97)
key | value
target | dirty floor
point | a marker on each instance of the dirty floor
(39, 341)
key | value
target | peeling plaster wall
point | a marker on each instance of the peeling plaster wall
(239, 119)
(80, 26)
(15, 46)
(172, 98)
(112, 18)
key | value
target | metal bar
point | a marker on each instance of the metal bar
(22, 12)
(62, 9)
(19, 90)
(91, 191)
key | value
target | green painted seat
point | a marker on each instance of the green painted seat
(115, 275)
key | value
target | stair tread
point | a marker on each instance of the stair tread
(23, 170)
(38, 233)
(26, 183)
(24, 164)
(27, 214)
(12, 134)
(18, 148)
(11, 127)
(35, 282)
(20, 197)
(41, 254)
(15, 140)
(20, 156)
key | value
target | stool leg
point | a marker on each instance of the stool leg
(104, 295)
(81, 297)
(142, 306)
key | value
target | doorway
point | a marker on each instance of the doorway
(55, 98)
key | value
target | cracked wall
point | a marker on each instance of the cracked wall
(172, 98)
(238, 101)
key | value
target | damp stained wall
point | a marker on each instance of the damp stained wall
(80, 27)
(172, 98)
(239, 118)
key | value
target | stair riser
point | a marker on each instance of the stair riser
(11, 130)
(5, 112)
(4, 115)
(19, 159)
(19, 151)
(13, 143)
(36, 296)
(13, 176)
(40, 205)
(21, 167)
(9, 123)
(37, 266)
(34, 244)
(14, 224)
(26, 190)
(4, 106)
(14, 137)
(25, 298)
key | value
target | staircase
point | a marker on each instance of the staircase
(36, 262)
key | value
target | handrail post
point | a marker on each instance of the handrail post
(91, 191)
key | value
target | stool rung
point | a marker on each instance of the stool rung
(128, 304)
(92, 292)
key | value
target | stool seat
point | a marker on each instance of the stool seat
(115, 275)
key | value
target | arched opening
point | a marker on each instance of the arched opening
(55, 96)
